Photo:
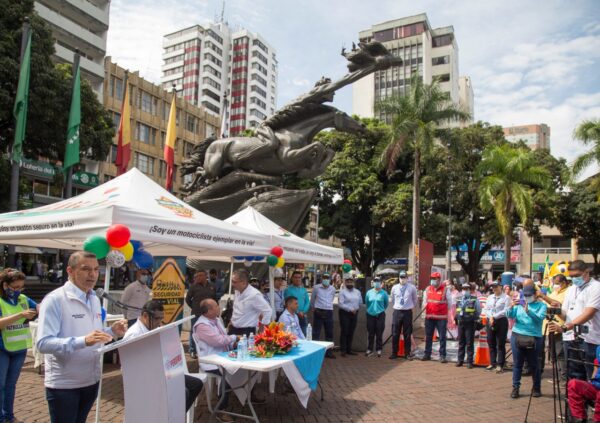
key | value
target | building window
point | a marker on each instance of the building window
(191, 123)
(40, 187)
(443, 78)
(116, 120)
(144, 163)
(209, 81)
(260, 45)
(145, 134)
(147, 102)
(112, 157)
(212, 95)
(442, 60)
(211, 107)
(442, 40)
(118, 89)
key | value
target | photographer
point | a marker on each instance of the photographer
(581, 303)
(526, 340)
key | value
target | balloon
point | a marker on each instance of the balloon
(247, 263)
(272, 260)
(115, 258)
(96, 244)
(346, 267)
(137, 245)
(143, 259)
(277, 251)
(117, 235)
(280, 262)
(127, 251)
(347, 261)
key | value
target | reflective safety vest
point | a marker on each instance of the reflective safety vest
(437, 304)
(465, 309)
(16, 336)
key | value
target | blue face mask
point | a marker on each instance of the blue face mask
(578, 280)
(12, 293)
(325, 282)
(434, 282)
(467, 294)
(377, 285)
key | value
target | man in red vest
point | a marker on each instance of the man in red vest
(436, 298)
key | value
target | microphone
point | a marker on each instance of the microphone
(101, 294)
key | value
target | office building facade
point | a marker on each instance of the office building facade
(535, 136)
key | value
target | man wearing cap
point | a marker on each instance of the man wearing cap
(279, 300)
(496, 306)
(376, 301)
(436, 299)
(301, 294)
(404, 299)
(349, 303)
(321, 301)
(467, 314)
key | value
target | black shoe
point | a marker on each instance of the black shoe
(343, 354)
(330, 355)
(536, 392)
(351, 353)
(393, 357)
(426, 359)
(469, 365)
(410, 357)
(459, 364)
(515, 393)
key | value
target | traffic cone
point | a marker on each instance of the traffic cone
(482, 352)
(435, 335)
(401, 346)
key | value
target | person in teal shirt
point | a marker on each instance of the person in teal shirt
(376, 301)
(526, 340)
(296, 289)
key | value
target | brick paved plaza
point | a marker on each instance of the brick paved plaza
(357, 389)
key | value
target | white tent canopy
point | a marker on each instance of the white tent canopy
(165, 224)
(295, 249)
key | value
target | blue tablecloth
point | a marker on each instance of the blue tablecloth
(307, 357)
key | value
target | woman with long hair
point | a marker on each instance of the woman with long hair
(16, 310)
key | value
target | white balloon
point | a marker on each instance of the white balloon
(247, 263)
(115, 258)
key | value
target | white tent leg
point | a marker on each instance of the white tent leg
(230, 276)
(272, 293)
(105, 305)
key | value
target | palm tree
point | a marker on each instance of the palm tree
(415, 119)
(509, 175)
(588, 132)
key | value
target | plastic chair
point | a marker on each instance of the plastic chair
(207, 379)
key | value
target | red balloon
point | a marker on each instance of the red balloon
(118, 235)
(347, 261)
(277, 251)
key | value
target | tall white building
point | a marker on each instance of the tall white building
(433, 53)
(79, 25)
(231, 73)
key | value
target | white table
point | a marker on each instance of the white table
(241, 376)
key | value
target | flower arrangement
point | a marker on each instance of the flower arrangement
(273, 339)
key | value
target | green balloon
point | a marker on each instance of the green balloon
(96, 244)
(346, 267)
(272, 260)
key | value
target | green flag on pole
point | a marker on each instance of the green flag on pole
(20, 108)
(72, 148)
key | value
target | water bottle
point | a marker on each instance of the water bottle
(251, 343)
(242, 348)
(309, 332)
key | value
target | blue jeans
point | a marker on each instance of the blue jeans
(192, 348)
(323, 318)
(10, 369)
(71, 405)
(531, 355)
(430, 326)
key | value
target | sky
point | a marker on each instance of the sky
(529, 61)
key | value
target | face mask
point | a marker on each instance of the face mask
(530, 299)
(556, 287)
(377, 285)
(350, 287)
(144, 279)
(402, 281)
(578, 280)
(434, 282)
(467, 294)
(325, 282)
(12, 293)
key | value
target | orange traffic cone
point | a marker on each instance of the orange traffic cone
(435, 335)
(482, 352)
(401, 346)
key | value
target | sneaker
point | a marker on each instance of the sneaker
(410, 357)
(490, 367)
(369, 353)
(443, 360)
(378, 353)
(469, 365)
(536, 392)
(425, 358)
(499, 370)
(459, 364)
(515, 393)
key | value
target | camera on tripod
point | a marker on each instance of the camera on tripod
(553, 311)
(580, 330)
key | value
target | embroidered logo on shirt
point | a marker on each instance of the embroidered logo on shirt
(78, 316)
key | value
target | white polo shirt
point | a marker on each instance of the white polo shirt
(576, 300)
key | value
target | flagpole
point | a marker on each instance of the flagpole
(69, 182)
(15, 165)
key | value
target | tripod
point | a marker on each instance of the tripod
(552, 356)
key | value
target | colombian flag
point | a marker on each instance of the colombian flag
(124, 140)
(169, 152)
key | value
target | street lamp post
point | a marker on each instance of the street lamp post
(449, 238)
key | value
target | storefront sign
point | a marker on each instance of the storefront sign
(492, 256)
(49, 171)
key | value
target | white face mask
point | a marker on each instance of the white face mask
(530, 299)
(556, 287)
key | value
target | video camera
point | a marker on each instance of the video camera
(553, 311)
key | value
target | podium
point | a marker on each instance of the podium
(153, 375)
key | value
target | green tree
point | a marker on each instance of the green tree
(359, 204)
(588, 132)
(416, 119)
(508, 176)
(578, 218)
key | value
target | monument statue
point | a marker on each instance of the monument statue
(230, 174)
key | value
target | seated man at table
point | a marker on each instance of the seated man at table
(289, 317)
(152, 317)
(211, 338)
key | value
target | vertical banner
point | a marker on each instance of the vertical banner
(168, 287)
(425, 255)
